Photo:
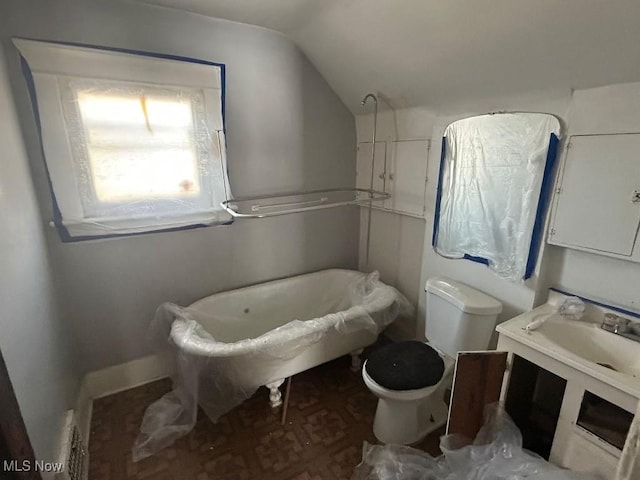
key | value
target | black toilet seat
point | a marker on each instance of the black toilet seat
(405, 366)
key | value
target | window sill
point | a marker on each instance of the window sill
(99, 228)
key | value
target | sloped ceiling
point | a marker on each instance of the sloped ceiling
(438, 53)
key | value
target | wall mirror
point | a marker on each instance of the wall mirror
(495, 178)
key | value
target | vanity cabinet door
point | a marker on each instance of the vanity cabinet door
(477, 382)
(598, 197)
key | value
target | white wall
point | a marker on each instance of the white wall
(35, 339)
(286, 130)
(395, 252)
(396, 240)
(610, 280)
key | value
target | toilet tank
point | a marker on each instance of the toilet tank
(459, 318)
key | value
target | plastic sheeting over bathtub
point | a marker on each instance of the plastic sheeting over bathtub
(218, 375)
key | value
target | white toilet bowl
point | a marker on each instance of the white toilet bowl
(405, 417)
(458, 318)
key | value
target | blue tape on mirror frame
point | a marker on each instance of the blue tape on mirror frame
(436, 216)
(473, 258)
(63, 232)
(543, 202)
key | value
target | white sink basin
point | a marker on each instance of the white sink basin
(580, 344)
(591, 343)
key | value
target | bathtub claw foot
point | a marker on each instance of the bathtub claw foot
(275, 396)
(356, 361)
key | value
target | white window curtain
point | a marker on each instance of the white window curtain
(490, 183)
(133, 143)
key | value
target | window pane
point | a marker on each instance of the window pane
(125, 175)
(140, 144)
(137, 136)
(141, 109)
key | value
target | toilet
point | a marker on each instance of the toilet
(411, 379)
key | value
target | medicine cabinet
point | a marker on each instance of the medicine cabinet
(400, 170)
(597, 197)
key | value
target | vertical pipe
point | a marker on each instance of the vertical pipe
(373, 159)
(285, 407)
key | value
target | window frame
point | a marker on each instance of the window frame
(45, 62)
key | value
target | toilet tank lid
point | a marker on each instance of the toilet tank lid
(465, 298)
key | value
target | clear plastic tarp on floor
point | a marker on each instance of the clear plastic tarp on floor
(495, 454)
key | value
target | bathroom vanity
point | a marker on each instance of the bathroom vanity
(571, 387)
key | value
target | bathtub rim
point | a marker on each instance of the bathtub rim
(181, 329)
(276, 280)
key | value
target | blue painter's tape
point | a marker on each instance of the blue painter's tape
(543, 203)
(600, 304)
(63, 232)
(57, 216)
(436, 215)
(166, 56)
(473, 258)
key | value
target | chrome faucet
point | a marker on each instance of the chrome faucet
(620, 326)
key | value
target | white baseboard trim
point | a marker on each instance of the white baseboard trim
(84, 410)
(117, 378)
(128, 375)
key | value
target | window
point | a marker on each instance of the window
(495, 180)
(132, 142)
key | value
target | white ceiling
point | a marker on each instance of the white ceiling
(437, 53)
